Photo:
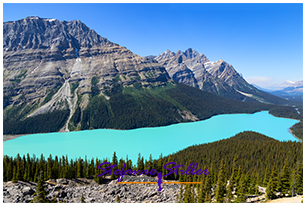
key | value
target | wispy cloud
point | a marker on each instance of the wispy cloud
(262, 81)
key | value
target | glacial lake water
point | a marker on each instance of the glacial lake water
(102, 143)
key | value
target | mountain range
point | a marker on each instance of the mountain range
(290, 90)
(194, 69)
(63, 76)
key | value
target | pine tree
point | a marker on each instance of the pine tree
(82, 199)
(272, 185)
(247, 178)
(221, 184)
(14, 180)
(202, 192)
(285, 180)
(193, 198)
(23, 167)
(19, 175)
(160, 163)
(299, 180)
(237, 179)
(41, 193)
(207, 187)
(211, 174)
(121, 164)
(180, 196)
(253, 186)
(26, 175)
(171, 176)
(241, 190)
(49, 168)
(80, 168)
(85, 169)
(5, 164)
(36, 174)
(198, 180)
(234, 170)
(55, 168)
(150, 163)
(118, 199)
(91, 169)
(9, 170)
(97, 172)
(138, 161)
(257, 184)
(67, 173)
(187, 193)
(267, 177)
(229, 191)
(114, 162)
(29, 166)
(141, 166)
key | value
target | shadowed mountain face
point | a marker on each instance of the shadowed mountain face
(194, 69)
(61, 76)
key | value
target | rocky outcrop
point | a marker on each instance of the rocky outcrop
(70, 191)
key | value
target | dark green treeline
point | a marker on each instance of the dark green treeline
(238, 164)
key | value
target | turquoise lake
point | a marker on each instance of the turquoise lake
(102, 143)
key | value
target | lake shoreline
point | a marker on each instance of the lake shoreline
(301, 140)
(7, 137)
(88, 142)
(14, 136)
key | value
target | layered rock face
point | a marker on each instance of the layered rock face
(194, 69)
(47, 56)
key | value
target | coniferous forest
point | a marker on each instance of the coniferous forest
(237, 166)
(129, 108)
(290, 112)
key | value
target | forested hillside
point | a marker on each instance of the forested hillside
(132, 107)
(293, 113)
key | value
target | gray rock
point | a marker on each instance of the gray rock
(28, 191)
(41, 55)
(219, 77)
(62, 181)
(99, 193)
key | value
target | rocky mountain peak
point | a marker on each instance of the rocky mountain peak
(44, 56)
(44, 33)
(191, 53)
(179, 53)
(194, 69)
(165, 55)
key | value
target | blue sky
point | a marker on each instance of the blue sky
(264, 42)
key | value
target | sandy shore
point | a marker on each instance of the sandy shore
(13, 136)
(9, 137)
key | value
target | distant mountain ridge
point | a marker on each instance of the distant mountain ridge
(285, 84)
(290, 90)
(194, 69)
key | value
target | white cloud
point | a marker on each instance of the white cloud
(262, 81)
